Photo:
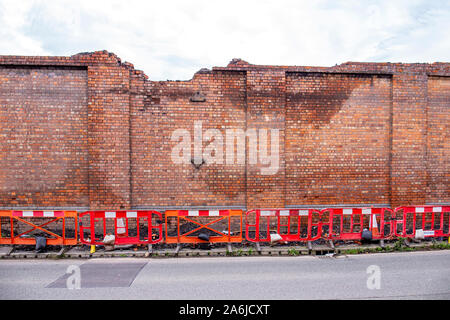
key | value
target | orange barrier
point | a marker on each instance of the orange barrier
(422, 221)
(190, 223)
(349, 223)
(49, 223)
(128, 227)
(293, 225)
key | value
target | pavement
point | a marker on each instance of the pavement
(403, 275)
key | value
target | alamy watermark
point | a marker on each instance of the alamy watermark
(228, 148)
(374, 279)
(74, 280)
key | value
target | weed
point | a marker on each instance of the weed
(398, 245)
(440, 246)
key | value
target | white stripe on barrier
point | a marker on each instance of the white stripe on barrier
(421, 209)
(27, 213)
(266, 213)
(131, 214)
(437, 209)
(214, 213)
(49, 213)
(284, 212)
(110, 214)
(347, 211)
(366, 211)
(193, 213)
(303, 212)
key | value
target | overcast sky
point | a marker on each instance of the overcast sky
(174, 39)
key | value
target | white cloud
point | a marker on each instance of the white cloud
(173, 39)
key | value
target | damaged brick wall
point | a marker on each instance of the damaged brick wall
(90, 131)
(68, 145)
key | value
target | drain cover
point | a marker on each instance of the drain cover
(103, 275)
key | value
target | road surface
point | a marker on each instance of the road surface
(411, 275)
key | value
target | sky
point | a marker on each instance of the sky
(171, 40)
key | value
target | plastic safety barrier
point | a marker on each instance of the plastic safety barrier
(294, 225)
(348, 223)
(422, 221)
(22, 227)
(127, 227)
(185, 226)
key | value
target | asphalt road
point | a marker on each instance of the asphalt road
(411, 275)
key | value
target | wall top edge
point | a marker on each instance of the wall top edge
(86, 59)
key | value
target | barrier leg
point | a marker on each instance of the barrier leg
(405, 242)
(11, 250)
(62, 251)
(178, 248)
(149, 251)
(382, 243)
(309, 245)
(229, 247)
(331, 244)
(258, 247)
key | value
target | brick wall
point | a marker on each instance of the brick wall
(91, 131)
(43, 134)
(266, 99)
(337, 138)
(156, 180)
(438, 139)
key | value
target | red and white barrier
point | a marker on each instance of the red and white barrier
(422, 221)
(203, 213)
(267, 219)
(37, 214)
(121, 227)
